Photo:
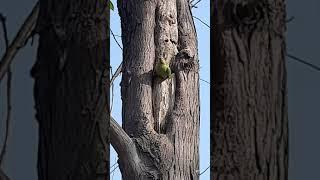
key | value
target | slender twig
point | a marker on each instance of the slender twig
(114, 37)
(290, 19)
(204, 171)
(204, 81)
(9, 77)
(3, 22)
(117, 73)
(201, 21)
(4, 147)
(303, 62)
(113, 164)
(3, 176)
(25, 32)
(194, 5)
(114, 169)
(115, 159)
(207, 167)
(119, 69)
(112, 175)
(117, 35)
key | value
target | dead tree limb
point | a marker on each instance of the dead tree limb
(19, 41)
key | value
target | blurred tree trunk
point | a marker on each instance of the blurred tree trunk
(71, 90)
(250, 121)
(152, 30)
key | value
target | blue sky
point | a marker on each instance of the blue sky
(203, 33)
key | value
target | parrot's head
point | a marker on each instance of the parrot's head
(162, 61)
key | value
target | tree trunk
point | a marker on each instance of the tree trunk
(250, 121)
(152, 30)
(71, 90)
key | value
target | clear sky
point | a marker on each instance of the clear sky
(203, 33)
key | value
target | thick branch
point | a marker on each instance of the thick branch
(123, 144)
(19, 40)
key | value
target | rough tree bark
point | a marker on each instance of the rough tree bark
(71, 90)
(152, 30)
(250, 122)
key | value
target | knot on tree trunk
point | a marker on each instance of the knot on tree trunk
(245, 15)
(185, 61)
(156, 152)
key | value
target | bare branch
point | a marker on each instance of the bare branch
(118, 137)
(119, 69)
(4, 27)
(117, 73)
(201, 21)
(303, 62)
(117, 35)
(290, 19)
(114, 169)
(204, 171)
(114, 37)
(114, 164)
(19, 41)
(3, 176)
(195, 4)
(207, 167)
(4, 147)
(205, 81)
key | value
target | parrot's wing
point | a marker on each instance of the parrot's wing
(168, 71)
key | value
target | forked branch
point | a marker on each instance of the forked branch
(19, 41)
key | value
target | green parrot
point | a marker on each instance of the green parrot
(163, 70)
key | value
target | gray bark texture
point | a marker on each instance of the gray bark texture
(71, 90)
(152, 30)
(250, 121)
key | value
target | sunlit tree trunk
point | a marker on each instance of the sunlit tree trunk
(152, 30)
